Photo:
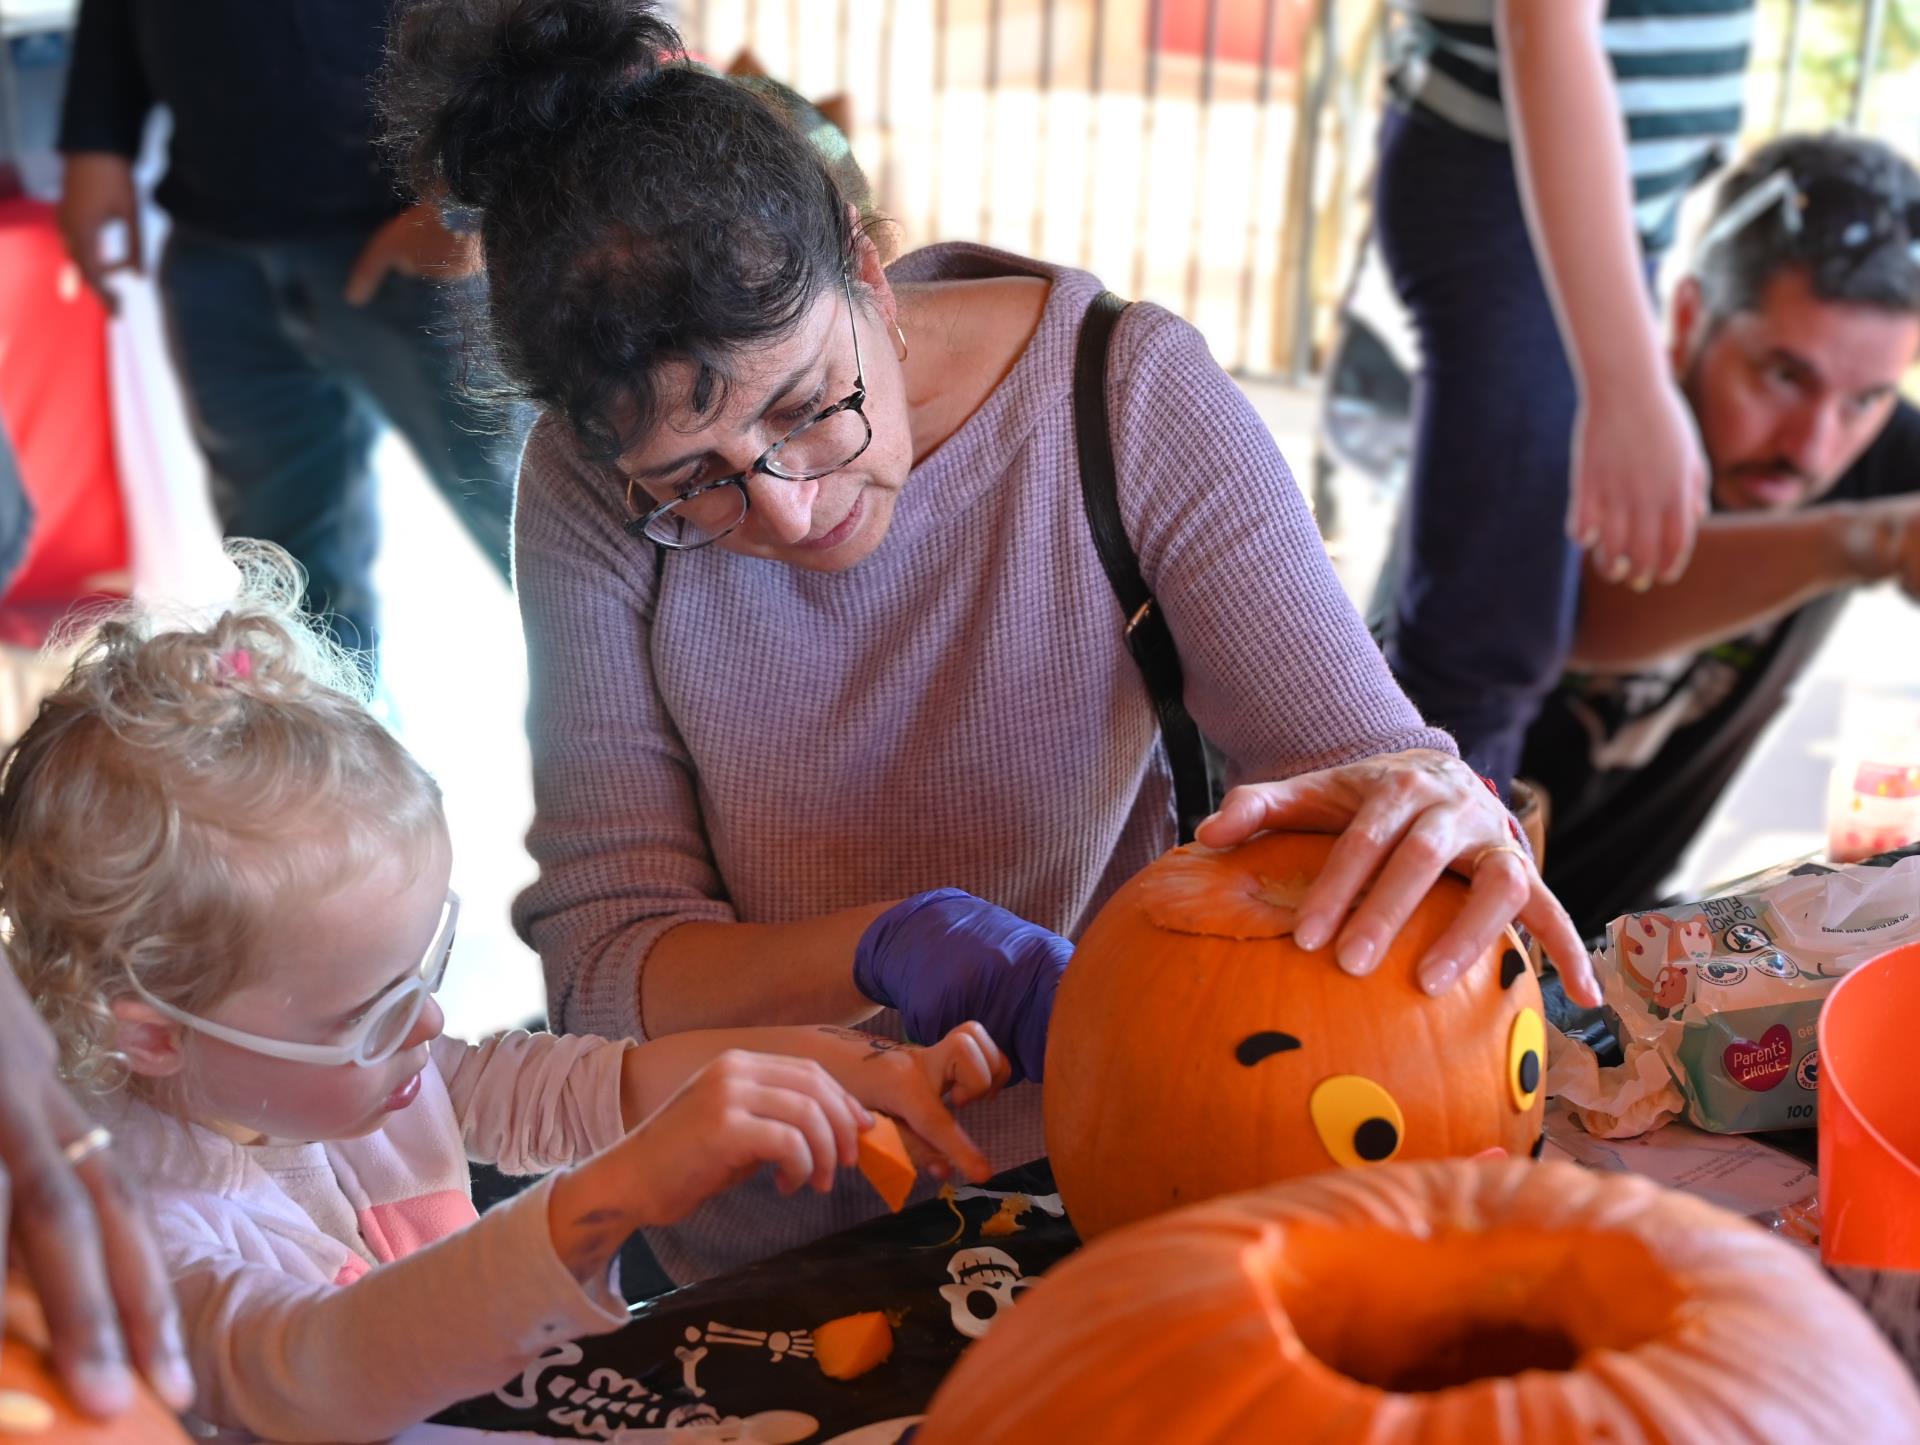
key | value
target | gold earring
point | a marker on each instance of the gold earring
(901, 336)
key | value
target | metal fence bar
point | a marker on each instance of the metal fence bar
(1046, 115)
(1789, 63)
(887, 117)
(939, 124)
(845, 47)
(993, 112)
(1872, 25)
(1095, 73)
(1306, 222)
(1203, 128)
(1262, 117)
(1150, 91)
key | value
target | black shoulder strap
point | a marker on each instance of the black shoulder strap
(1147, 635)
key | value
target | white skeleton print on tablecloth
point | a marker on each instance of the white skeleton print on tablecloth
(700, 1425)
(779, 1344)
(1046, 1203)
(610, 1406)
(985, 1283)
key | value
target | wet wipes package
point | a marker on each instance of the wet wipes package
(1727, 991)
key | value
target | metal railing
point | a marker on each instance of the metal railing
(1153, 141)
(1211, 155)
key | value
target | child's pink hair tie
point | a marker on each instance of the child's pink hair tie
(237, 663)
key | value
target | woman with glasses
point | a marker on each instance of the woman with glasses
(823, 655)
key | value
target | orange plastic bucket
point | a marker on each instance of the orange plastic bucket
(1869, 1122)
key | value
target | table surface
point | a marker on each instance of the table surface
(732, 1357)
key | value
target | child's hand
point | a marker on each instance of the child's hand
(917, 1086)
(739, 1112)
(964, 1067)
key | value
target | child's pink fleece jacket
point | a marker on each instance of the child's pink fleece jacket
(344, 1291)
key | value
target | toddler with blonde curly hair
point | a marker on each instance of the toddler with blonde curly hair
(227, 890)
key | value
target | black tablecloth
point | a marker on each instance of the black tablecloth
(741, 1346)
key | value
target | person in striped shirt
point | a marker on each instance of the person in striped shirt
(1531, 168)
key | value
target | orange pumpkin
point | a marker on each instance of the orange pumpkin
(1196, 1049)
(1490, 1302)
(34, 1408)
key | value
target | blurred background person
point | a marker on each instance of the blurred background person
(307, 301)
(1790, 339)
(1531, 167)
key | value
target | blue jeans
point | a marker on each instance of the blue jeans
(288, 385)
(1483, 602)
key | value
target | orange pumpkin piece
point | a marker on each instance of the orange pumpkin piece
(1006, 1219)
(1196, 1049)
(848, 1347)
(883, 1159)
(1496, 1302)
(35, 1409)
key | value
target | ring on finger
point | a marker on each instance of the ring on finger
(1486, 853)
(80, 1150)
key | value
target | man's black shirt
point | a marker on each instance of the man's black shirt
(1633, 763)
(272, 105)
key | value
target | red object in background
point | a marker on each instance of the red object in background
(1183, 30)
(57, 409)
(1886, 780)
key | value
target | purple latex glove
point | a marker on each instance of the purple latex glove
(945, 957)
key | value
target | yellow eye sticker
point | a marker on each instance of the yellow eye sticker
(1526, 1058)
(1357, 1120)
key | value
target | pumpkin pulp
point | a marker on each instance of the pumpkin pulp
(1452, 1307)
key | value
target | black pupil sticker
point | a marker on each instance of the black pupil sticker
(1375, 1139)
(1529, 1071)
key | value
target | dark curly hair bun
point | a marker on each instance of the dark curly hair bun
(634, 208)
(482, 87)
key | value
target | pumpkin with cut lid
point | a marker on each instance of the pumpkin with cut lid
(1196, 1050)
(1494, 1302)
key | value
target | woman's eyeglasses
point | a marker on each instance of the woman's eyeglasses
(824, 443)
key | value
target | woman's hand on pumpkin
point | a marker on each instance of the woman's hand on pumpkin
(944, 958)
(1403, 820)
(79, 1230)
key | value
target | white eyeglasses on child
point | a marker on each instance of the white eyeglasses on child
(378, 1035)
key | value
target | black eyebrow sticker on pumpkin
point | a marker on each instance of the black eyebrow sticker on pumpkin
(1512, 965)
(1264, 1045)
